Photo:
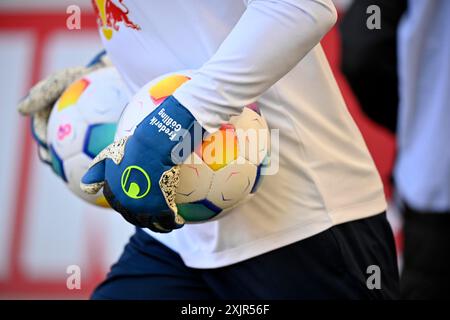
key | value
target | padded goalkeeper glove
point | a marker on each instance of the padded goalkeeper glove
(139, 174)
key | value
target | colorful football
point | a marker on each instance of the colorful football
(225, 169)
(82, 123)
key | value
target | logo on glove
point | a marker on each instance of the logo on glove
(133, 190)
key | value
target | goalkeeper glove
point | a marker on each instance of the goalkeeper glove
(139, 174)
(41, 98)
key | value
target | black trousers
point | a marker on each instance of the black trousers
(330, 265)
(426, 271)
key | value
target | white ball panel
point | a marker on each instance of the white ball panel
(137, 109)
(253, 135)
(105, 97)
(195, 180)
(66, 132)
(232, 183)
(75, 167)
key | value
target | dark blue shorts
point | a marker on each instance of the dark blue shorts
(330, 265)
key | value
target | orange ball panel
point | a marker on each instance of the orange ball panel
(220, 148)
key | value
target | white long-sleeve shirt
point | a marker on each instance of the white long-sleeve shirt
(264, 50)
(422, 171)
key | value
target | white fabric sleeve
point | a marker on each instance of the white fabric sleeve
(270, 38)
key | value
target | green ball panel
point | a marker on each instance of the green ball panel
(99, 136)
(195, 212)
(57, 164)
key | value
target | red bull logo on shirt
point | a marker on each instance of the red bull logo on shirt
(110, 14)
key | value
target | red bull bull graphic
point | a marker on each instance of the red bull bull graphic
(110, 14)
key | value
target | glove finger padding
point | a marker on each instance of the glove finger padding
(168, 184)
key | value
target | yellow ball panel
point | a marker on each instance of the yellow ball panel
(220, 148)
(166, 87)
(101, 201)
(72, 94)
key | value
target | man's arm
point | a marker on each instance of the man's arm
(271, 37)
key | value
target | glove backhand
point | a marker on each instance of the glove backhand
(139, 173)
